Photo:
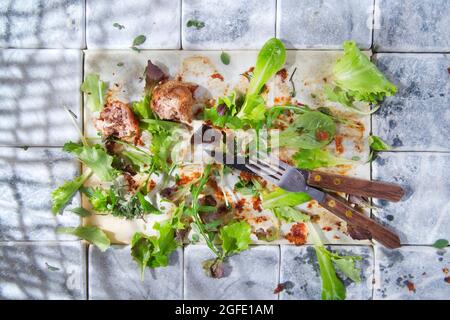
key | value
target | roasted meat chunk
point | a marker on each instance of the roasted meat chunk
(118, 120)
(173, 100)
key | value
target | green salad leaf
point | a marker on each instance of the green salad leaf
(290, 214)
(142, 108)
(235, 237)
(317, 158)
(376, 144)
(94, 157)
(95, 89)
(282, 198)
(440, 243)
(63, 194)
(332, 286)
(310, 130)
(225, 58)
(100, 199)
(270, 60)
(357, 79)
(92, 234)
(82, 212)
(223, 113)
(154, 251)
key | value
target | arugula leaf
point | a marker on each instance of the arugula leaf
(376, 144)
(358, 79)
(63, 194)
(91, 234)
(82, 212)
(310, 130)
(225, 58)
(51, 268)
(332, 286)
(282, 198)
(271, 58)
(235, 237)
(317, 158)
(440, 244)
(95, 89)
(152, 251)
(290, 214)
(195, 23)
(95, 158)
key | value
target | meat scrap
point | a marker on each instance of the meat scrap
(118, 120)
(173, 100)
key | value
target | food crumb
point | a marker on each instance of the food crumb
(411, 287)
(445, 270)
(297, 234)
(447, 279)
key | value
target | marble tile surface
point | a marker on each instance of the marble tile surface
(27, 178)
(417, 118)
(245, 277)
(412, 25)
(239, 24)
(324, 24)
(412, 273)
(34, 87)
(423, 215)
(158, 20)
(42, 24)
(300, 273)
(115, 275)
(44, 271)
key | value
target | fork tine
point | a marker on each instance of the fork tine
(257, 170)
(273, 161)
(265, 168)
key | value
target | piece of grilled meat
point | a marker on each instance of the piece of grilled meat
(118, 120)
(173, 100)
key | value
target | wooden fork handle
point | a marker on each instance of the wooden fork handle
(360, 187)
(341, 208)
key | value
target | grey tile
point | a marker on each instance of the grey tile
(115, 275)
(240, 24)
(300, 273)
(412, 273)
(34, 87)
(251, 274)
(412, 25)
(42, 23)
(417, 118)
(42, 270)
(158, 20)
(324, 24)
(423, 215)
(27, 179)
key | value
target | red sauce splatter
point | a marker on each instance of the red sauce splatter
(411, 287)
(445, 270)
(448, 70)
(297, 234)
(260, 219)
(339, 146)
(321, 135)
(239, 206)
(246, 176)
(186, 179)
(280, 287)
(217, 76)
(327, 228)
(283, 74)
(447, 279)
(256, 202)
(151, 185)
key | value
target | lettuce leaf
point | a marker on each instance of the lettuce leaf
(290, 214)
(93, 235)
(95, 89)
(94, 157)
(376, 144)
(282, 198)
(63, 194)
(154, 251)
(332, 286)
(235, 237)
(223, 113)
(358, 79)
(317, 158)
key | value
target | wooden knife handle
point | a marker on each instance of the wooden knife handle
(360, 187)
(341, 208)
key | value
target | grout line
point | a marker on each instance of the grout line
(85, 24)
(276, 17)
(86, 252)
(181, 25)
(279, 271)
(372, 45)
